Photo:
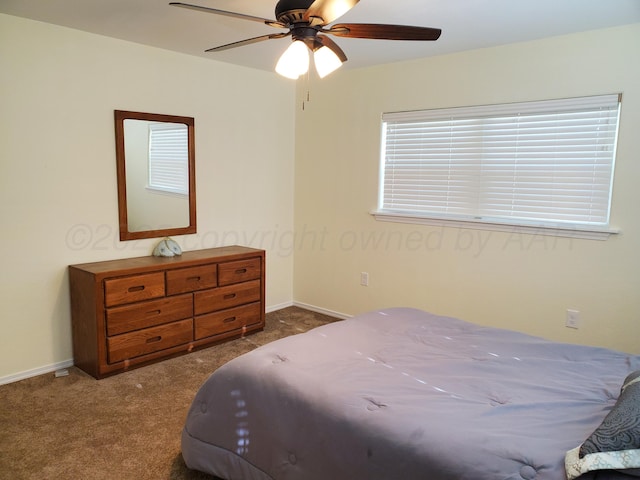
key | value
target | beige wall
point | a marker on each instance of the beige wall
(58, 199)
(58, 90)
(506, 279)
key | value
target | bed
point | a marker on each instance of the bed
(404, 394)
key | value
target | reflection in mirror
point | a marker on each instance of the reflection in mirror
(156, 174)
(156, 161)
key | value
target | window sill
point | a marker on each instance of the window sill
(574, 231)
(166, 191)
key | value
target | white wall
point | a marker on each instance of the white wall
(511, 280)
(58, 198)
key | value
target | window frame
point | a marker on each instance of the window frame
(182, 150)
(598, 231)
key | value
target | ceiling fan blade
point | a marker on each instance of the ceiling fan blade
(248, 41)
(324, 41)
(241, 16)
(384, 32)
(323, 12)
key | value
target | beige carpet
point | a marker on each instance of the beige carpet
(123, 427)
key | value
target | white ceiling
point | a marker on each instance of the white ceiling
(465, 24)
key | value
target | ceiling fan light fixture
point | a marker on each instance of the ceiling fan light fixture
(294, 61)
(326, 61)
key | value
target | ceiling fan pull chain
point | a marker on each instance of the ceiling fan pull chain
(307, 85)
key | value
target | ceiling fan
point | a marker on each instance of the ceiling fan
(307, 23)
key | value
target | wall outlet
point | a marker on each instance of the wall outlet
(573, 319)
(364, 279)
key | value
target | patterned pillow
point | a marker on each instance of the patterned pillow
(615, 444)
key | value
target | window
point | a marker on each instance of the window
(544, 165)
(169, 158)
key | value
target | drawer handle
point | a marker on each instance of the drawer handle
(193, 279)
(229, 296)
(137, 288)
(154, 339)
(241, 270)
(229, 320)
(154, 312)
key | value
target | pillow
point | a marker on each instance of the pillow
(615, 444)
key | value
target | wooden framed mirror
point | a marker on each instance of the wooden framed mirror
(155, 159)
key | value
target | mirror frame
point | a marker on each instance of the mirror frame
(120, 116)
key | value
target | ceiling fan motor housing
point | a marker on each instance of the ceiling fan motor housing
(292, 11)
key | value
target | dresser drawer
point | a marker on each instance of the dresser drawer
(190, 279)
(148, 314)
(226, 297)
(238, 271)
(227, 320)
(118, 291)
(148, 340)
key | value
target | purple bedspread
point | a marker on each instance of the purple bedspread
(402, 394)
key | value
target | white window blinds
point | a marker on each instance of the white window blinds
(169, 157)
(535, 163)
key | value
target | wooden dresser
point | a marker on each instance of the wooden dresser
(131, 312)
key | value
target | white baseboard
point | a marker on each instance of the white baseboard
(279, 306)
(307, 306)
(16, 377)
(324, 311)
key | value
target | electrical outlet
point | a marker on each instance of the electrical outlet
(573, 319)
(364, 279)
